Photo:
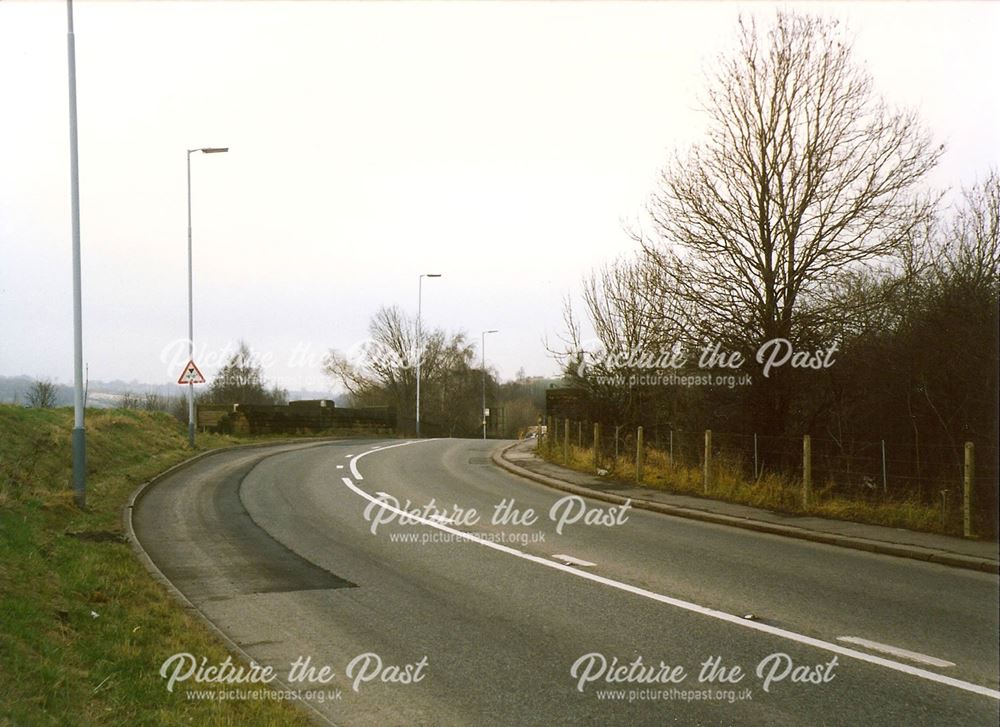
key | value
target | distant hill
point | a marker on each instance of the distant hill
(107, 394)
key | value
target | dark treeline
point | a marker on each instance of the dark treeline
(805, 222)
(239, 381)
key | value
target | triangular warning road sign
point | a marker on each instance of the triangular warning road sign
(191, 375)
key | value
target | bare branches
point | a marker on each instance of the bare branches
(381, 370)
(804, 174)
(974, 250)
(41, 395)
(382, 366)
(241, 381)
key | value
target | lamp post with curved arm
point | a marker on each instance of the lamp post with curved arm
(203, 150)
(420, 352)
(483, 351)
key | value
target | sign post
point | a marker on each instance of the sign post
(191, 376)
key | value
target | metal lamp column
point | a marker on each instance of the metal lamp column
(483, 350)
(420, 353)
(203, 150)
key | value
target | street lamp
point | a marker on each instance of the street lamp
(420, 353)
(79, 436)
(203, 150)
(483, 351)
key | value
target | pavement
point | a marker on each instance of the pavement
(520, 458)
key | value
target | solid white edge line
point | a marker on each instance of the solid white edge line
(676, 602)
(896, 651)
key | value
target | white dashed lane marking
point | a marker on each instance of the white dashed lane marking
(571, 560)
(896, 651)
(828, 646)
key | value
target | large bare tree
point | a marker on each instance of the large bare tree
(382, 371)
(804, 174)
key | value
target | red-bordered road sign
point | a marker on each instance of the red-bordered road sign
(191, 375)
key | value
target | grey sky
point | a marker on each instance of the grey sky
(501, 144)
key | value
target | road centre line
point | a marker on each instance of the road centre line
(896, 651)
(572, 561)
(669, 600)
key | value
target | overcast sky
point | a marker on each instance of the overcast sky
(500, 144)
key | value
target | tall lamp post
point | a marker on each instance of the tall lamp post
(420, 352)
(203, 150)
(483, 351)
(79, 437)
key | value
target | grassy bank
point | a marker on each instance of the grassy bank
(83, 626)
(771, 492)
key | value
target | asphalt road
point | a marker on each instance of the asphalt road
(277, 549)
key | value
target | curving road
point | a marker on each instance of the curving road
(493, 620)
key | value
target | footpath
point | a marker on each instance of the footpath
(520, 459)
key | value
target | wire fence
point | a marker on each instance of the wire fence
(958, 483)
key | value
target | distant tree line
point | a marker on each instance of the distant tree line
(382, 371)
(239, 381)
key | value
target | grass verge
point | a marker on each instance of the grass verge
(84, 628)
(770, 492)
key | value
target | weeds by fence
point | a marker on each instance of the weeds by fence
(934, 488)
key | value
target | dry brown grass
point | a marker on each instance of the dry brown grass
(772, 491)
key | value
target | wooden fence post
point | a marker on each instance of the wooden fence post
(885, 474)
(597, 445)
(970, 466)
(638, 455)
(755, 475)
(566, 441)
(806, 470)
(708, 458)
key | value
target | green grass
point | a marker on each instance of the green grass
(771, 492)
(59, 664)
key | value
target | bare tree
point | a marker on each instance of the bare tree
(958, 309)
(382, 371)
(381, 366)
(42, 395)
(151, 401)
(972, 244)
(631, 309)
(130, 400)
(804, 174)
(241, 381)
(636, 322)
